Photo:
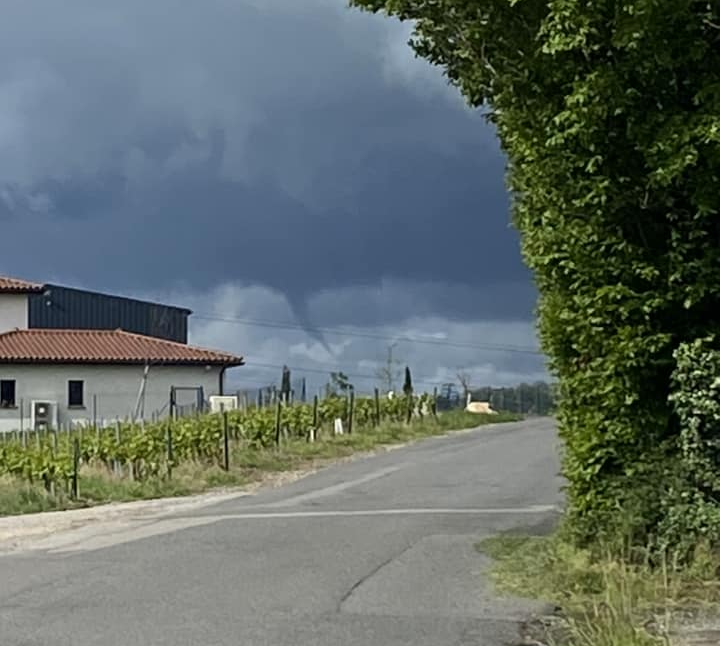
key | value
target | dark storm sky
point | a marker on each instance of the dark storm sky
(298, 146)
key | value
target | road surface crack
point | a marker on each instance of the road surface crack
(369, 575)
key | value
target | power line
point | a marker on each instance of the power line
(491, 347)
(272, 366)
(354, 375)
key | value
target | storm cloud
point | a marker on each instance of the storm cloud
(299, 149)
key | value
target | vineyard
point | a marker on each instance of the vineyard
(142, 451)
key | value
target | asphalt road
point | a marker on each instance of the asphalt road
(378, 552)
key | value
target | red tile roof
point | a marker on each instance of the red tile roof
(103, 346)
(17, 286)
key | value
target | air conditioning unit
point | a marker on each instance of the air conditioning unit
(43, 415)
(220, 403)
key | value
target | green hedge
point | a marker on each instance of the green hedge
(608, 113)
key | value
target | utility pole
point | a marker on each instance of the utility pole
(391, 366)
(387, 373)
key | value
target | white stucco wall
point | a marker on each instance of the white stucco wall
(116, 388)
(13, 312)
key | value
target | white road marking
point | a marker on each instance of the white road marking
(422, 511)
(99, 539)
(96, 541)
(329, 491)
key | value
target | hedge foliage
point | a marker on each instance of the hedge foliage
(609, 112)
(692, 506)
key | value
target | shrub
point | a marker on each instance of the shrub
(692, 506)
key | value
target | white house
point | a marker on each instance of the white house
(14, 296)
(66, 357)
(61, 377)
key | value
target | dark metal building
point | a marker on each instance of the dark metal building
(58, 307)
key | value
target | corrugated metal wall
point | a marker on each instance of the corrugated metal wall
(62, 307)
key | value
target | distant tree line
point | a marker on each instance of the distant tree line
(528, 399)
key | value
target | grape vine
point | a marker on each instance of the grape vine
(140, 450)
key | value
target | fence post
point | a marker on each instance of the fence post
(377, 407)
(169, 449)
(434, 403)
(117, 464)
(315, 417)
(351, 410)
(75, 482)
(226, 442)
(278, 414)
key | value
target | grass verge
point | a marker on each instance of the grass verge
(98, 486)
(608, 599)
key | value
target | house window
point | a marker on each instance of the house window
(76, 394)
(7, 393)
